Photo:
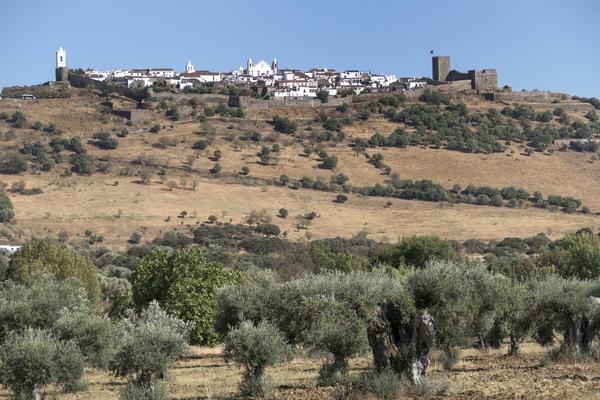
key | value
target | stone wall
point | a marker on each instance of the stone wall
(54, 91)
(80, 81)
(484, 80)
(533, 96)
(134, 115)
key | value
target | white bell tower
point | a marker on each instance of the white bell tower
(275, 66)
(189, 68)
(61, 58)
(250, 67)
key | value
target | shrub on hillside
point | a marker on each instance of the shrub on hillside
(283, 124)
(82, 164)
(12, 163)
(7, 212)
(417, 251)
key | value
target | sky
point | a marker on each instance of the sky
(534, 44)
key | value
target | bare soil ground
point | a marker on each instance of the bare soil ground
(479, 375)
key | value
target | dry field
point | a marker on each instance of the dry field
(479, 375)
(115, 205)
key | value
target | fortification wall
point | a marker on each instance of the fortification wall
(55, 91)
(485, 80)
(84, 82)
(251, 102)
(134, 115)
(533, 96)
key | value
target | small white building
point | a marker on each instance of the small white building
(139, 81)
(297, 92)
(161, 72)
(9, 247)
(202, 76)
(96, 75)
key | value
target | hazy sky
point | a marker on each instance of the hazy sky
(534, 44)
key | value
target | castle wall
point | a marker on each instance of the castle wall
(485, 80)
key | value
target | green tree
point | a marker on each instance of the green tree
(417, 251)
(184, 284)
(576, 255)
(12, 163)
(34, 359)
(256, 347)
(323, 95)
(148, 344)
(284, 125)
(7, 212)
(93, 334)
(40, 303)
(49, 256)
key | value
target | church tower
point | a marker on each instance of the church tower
(250, 67)
(62, 71)
(189, 68)
(275, 66)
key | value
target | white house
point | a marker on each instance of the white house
(413, 83)
(300, 91)
(10, 247)
(96, 75)
(161, 72)
(351, 74)
(202, 76)
(139, 81)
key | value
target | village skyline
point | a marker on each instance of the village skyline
(385, 37)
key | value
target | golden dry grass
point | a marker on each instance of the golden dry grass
(76, 204)
(479, 375)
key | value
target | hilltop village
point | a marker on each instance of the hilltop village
(288, 82)
(266, 81)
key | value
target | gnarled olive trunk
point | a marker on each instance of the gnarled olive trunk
(381, 340)
(402, 348)
(580, 333)
(513, 346)
(145, 381)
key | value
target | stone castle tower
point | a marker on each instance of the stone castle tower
(62, 71)
(440, 68)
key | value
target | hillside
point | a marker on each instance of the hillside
(113, 202)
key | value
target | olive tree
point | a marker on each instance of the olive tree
(38, 305)
(566, 305)
(147, 345)
(256, 347)
(33, 359)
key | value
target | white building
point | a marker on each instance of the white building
(161, 72)
(300, 91)
(261, 68)
(10, 247)
(202, 76)
(96, 75)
